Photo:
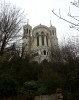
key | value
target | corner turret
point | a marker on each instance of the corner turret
(27, 30)
(27, 33)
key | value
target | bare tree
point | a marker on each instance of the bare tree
(69, 51)
(11, 19)
(55, 54)
(76, 17)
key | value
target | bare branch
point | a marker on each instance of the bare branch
(64, 19)
(75, 3)
(73, 24)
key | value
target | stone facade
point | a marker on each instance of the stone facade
(37, 42)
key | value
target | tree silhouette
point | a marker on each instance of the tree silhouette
(11, 19)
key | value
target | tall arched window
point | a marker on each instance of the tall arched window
(37, 39)
(24, 31)
(47, 40)
(42, 37)
(44, 52)
(27, 30)
(53, 32)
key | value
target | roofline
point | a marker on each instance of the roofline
(40, 26)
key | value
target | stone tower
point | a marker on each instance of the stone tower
(27, 32)
(54, 40)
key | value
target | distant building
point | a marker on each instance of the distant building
(37, 42)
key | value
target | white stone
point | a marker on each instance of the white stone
(41, 52)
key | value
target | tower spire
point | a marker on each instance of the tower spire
(50, 23)
(27, 21)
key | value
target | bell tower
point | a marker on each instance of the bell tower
(27, 33)
(54, 40)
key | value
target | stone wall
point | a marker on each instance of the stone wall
(46, 97)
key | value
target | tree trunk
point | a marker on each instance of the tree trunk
(3, 45)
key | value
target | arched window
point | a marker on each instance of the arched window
(27, 30)
(24, 31)
(47, 40)
(42, 37)
(37, 34)
(37, 39)
(44, 52)
(53, 32)
(37, 54)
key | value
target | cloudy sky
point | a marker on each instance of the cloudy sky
(40, 12)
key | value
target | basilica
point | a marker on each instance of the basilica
(38, 42)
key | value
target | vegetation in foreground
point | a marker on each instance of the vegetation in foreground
(38, 79)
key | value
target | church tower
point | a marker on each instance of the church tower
(27, 32)
(54, 39)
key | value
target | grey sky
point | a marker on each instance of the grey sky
(40, 12)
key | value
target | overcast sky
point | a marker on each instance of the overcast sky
(40, 12)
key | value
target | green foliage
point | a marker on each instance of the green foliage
(8, 86)
(50, 79)
(39, 79)
(73, 79)
(31, 88)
